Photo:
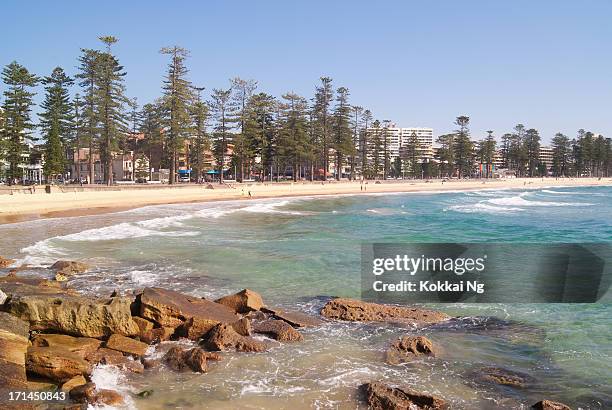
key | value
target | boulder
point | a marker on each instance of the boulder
(144, 325)
(242, 327)
(168, 308)
(278, 329)
(223, 337)
(55, 363)
(5, 262)
(75, 315)
(70, 267)
(380, 396)
(409, 348)
(550, 405)
(242, 302)
(82, 346)
(114, 358)
(17, 286)
(72, 383)
(195, 359)
(126, 345)
(88, 393)
(158, 334)
(14, 335)
(503, 377)
(295, 319)
(356, 310)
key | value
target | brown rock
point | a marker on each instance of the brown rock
(550, 405)
(126, 345)
(13, 347)
(295, 319)
(279, 330)
(409, 348)
(242, 326)
(72, 383)
(108, 397)
(18, 286)
(84, 393)
(379, 396)
(242, 302)
(70, 267)
(497, 375)
(41, 384)
(223, 337)
(170, 309)
(114, 358)
(55, 363)
(75, 315)
(355, 310)
(82, 346)
(144, 326)
(195, 359)
(5, 263)
(158, 334)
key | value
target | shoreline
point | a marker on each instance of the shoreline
(23, 207)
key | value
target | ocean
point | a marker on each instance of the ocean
(299, 252)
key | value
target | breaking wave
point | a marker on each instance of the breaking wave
(519, 200)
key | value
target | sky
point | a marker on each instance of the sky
(545, 64)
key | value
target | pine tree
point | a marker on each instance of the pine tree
(446, 153)
(532, 150)
(364, 144)
(88, 76)
(222, 109)
(356, 122)
(293, 132)
(377, 149)
(151, 124)
(56, 121)
(342, 135)
(242, 92)
(322, 103)
(410, 153)
(178, 95)
(463, 147)
(201, 141)
(561, 154)
(259, 127)
(17, 108)
(486, 153)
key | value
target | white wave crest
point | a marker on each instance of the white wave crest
(520, 201)
(112, 378)
(123, 230)
(481, 207)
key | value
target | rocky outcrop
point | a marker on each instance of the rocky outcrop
(126, 345)
(243, 327)
(168, 308)
(356, 310)
(144, 325)
(499, 376)
(14, 286)
(75, 315)
(223, 338)
(195, 359)
(550, 405)
(55, 363)
(88, 393)
(278, 329)
(242, 302)
(409, 348)
(82, 346)
(69, 268)
(14, 335)
(72, 383)
(5, 262)
(157, 334)
(295, 319)
(114, 358)
(380, 396)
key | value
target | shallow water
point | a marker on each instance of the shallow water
(298, 252)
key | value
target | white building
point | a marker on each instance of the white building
(399, 138)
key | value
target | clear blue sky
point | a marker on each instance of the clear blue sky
(546, 64)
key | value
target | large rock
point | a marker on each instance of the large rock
(170, 309)
(502, 377)
(223, 337)
(242, 302)
(88, 393)
(70, 267)
(72, 383)
(156, 335)
(382, 397)
(21, 286)
(550, 405)
(278, 329)
(356, 310)
(195, 359)
(76, 315)
(114, 358)
(14, 335)
(82, 346)
(5, 263)
(55, 363)
(409, 348)
(295, 319)
(126, 345)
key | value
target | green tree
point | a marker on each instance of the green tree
(410, 154)
(377, 149)
(88, 80)
(56, 121)
(561, 150)
(222, 109)
(486, 153)
(532, 150)
(322, 102)
(260, 128)
(293, 132)
(364, 144)
(17, 122)
(201, 141)
(463, 147)
(356, 123)
(243, 146)
(446, 153)
(151, 124)
(341, 128)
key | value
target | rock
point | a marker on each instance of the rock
(41, 384)
(295, 319)
(499, 376)
(144, 326)
(14, 335)
(550, 405)
(75, 315)
(408, 348)
(55, 363)
(144, 394)
(279, 330)
(82, 346)
(356, 310)
(242, 302)
(72, 383)
(108, 398)
(149, 363)
(126, 345)
(223, 337)
(242, 326)
(195, 359)
(158, 334)
(115, 358)
(16, 286)
(87, 393)
(170, 309)
(70, 267)
(60, 277)
(382, 397)
(5, 263)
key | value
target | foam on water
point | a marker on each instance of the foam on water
(112, 378)
(519, 200)
(485, 208)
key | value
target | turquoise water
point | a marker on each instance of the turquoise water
(298, 252)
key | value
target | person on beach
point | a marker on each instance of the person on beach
(250, 196)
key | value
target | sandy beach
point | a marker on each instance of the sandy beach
(23, 204)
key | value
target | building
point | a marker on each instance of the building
(546, 156)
